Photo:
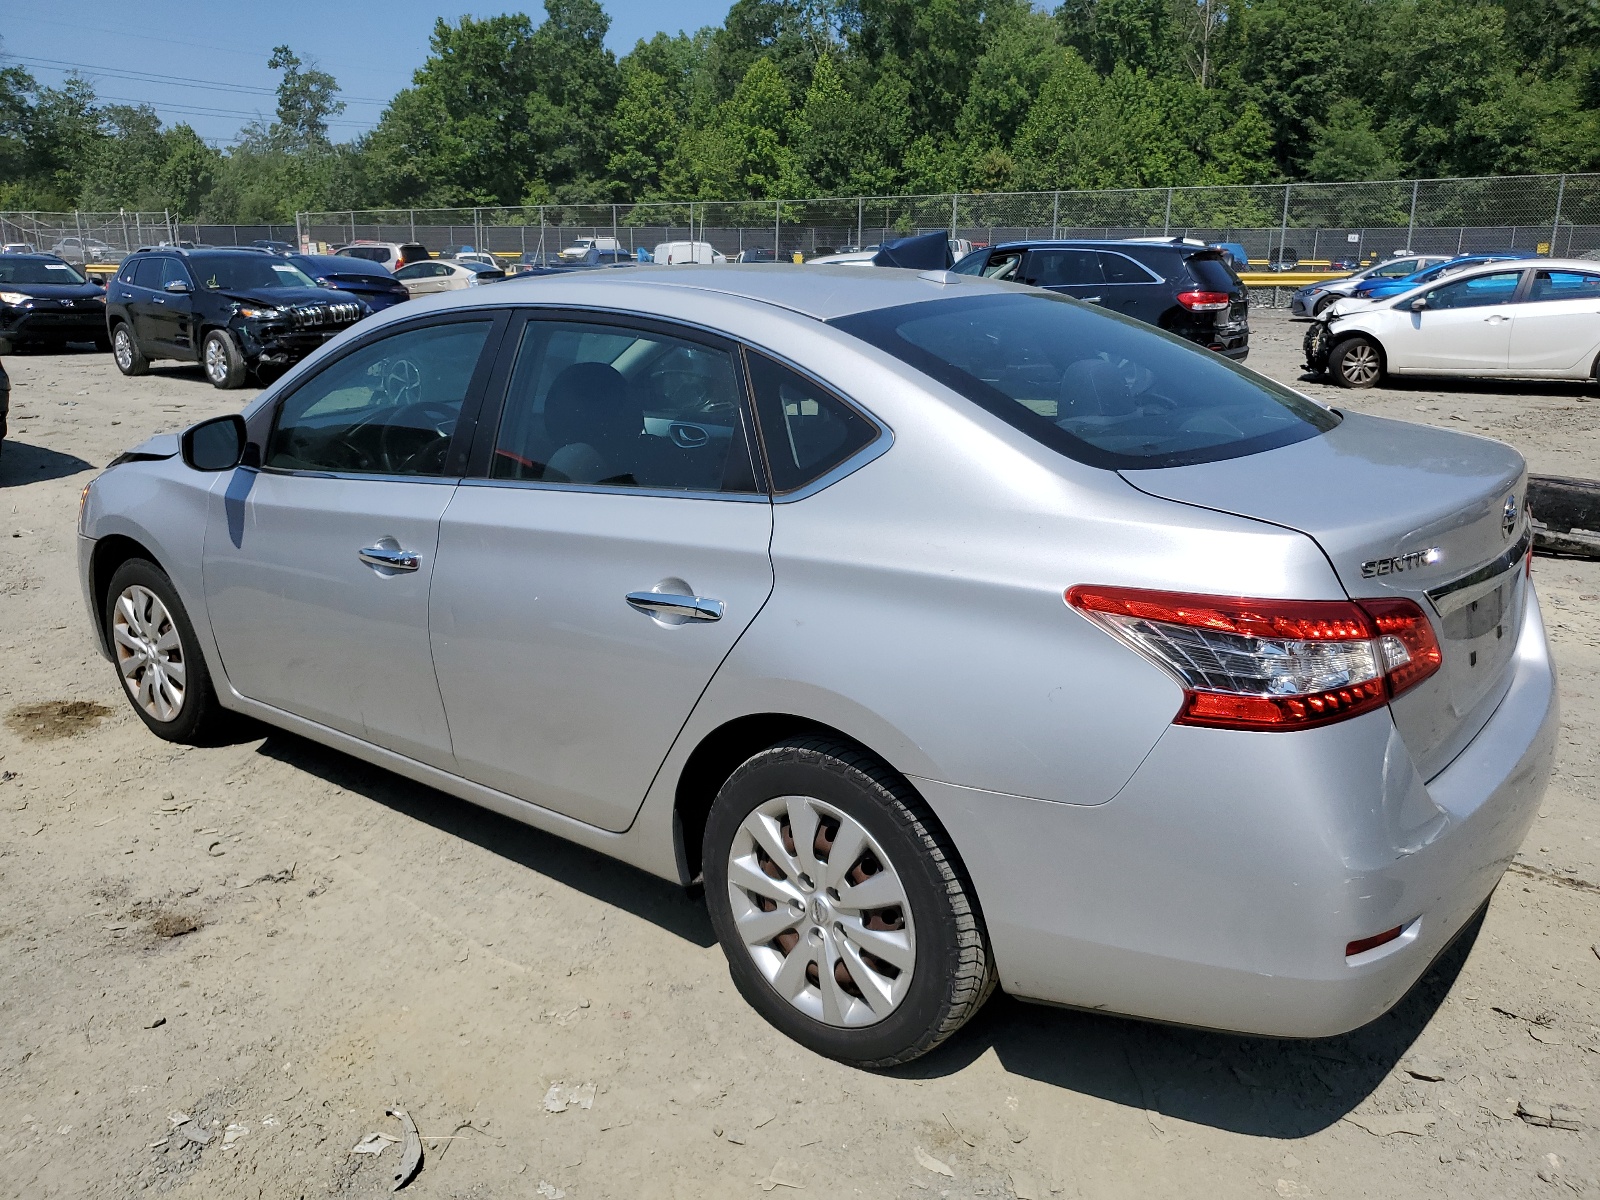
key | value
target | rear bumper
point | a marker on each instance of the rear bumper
(1220, 887)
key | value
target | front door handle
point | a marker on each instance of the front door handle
(391, 558)
(666, 604)
(1496, 318)
(1094, 300)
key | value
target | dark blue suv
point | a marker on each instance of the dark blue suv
(231, 311)
(1182, 287)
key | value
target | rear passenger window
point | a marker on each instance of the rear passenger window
(807, 431)
(1119, 268)
(623, 407)
(1564, 285)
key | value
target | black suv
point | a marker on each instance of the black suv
(232, 311)
(44, 301)
(1179, 286)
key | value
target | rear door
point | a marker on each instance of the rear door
(1465, 328)
(1132, 288)
(1556, 327)
(171, 327)
(607, 554)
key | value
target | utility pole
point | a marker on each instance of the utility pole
(1555, 225)
(1411, 225)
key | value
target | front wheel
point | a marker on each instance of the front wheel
(844, 914)
(224, 364)
(1357, 362)
(1323, 304)
(158, 657)
(125, 350)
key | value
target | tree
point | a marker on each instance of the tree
(307, 97)
(1346, 146)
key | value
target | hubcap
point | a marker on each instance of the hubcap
(1361, 364)
(216, 364)
(821, 911)
(124, 348)
(149, 653)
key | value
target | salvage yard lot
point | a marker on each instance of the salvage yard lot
(277, 943)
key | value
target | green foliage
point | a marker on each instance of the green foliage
(792, 98)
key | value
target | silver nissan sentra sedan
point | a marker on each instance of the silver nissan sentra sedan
(954, 633)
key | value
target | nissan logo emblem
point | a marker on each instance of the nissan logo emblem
(1508, 516)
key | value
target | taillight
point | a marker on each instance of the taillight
(1204, 301)
(1270, 664)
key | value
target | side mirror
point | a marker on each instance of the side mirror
(215, 445)
(177, 287)
(1420, 303)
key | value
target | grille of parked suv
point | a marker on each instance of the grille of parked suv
(311, 316)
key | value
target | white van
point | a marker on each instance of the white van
(669, 253)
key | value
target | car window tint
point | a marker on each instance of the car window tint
(622, 407)
(972, 264)
(1212, 272)
(1098, 387)
(35, 270)
(148, 273)
(1475, 292)
(389, 407)
(806, 430)
(1063, 268)
(1119, 268)
(1395, 270)
(172, 272)
(1003, 264)
(1565, 285)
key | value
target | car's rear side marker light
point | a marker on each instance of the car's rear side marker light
(1362, 945)
(1270, 664)
(1204, 301)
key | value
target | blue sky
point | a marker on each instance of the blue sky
(371, 49)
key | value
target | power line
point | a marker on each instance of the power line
(199, 111)
(177, 80)
(143, 37)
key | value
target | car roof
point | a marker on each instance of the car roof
(1102, 244)
(819, 292)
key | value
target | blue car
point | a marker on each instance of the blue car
(371, 281)
(1380, 289)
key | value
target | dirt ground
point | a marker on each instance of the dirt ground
(262, 946)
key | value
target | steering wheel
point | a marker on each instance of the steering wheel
(404, 441)
(401, 381)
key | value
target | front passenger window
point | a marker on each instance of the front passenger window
(1476, 292)
(386, 408)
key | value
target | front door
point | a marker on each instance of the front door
(1557, 326)
(317, 566)
(593, 577)
(1465, 329)
(171, 329)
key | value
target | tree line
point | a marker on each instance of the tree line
(797, 98)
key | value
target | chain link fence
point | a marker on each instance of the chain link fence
(105, 239)
(1318, 222)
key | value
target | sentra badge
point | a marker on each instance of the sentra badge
(1400, 562)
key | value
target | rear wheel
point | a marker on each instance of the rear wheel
(157, 656)
(223, 363)
(846, 919)
(1357, 362)
(125, 349)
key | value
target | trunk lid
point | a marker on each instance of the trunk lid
(1400, 510)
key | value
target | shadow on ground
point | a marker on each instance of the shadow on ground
(1265, 1087)
(22, 463)
(655, 900)
(1260, 1086)
(1569, 389)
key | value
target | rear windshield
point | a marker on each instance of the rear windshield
(376, 254)
(229, 272)
(1100, 388)
(36, 270)
(1213, 272)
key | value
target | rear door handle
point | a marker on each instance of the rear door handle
(1496, 318)
(391, 557)
(666, 604)
(1094, 300)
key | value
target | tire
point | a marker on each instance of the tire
(945, 971)
(1357, 362)
(125, 350)
(1323, 304)
(221, 360)
(158, 658)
